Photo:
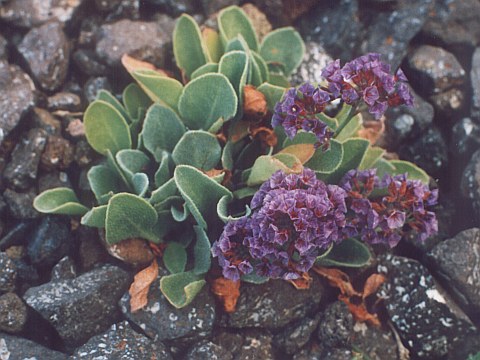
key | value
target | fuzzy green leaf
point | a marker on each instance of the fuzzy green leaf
(161, 130)
(234, 65)
(199, 149)
(201, 252)
(255, 74)
(284, 46)
(179, 211)
(140, 184)
(350, 253)
(104, 182)
(266, 165)
(326, 162)
(132, 162)
(165, 168)
(233, 21)
(350, 128)
(163, 192)
(205, 69)
(301, 137)
(180, 289)
(213, 43)
(59, 201)
(175, 257)
(273, 94)
(414, 172)
(354, 150)
(223, 211)
(262, 66)
(278, 80)
(130, 216)
(106, 96)
(206, 99)
(135, 101)
(227, 156)
(105, 128)
(253, 278)
(188, 46)
(95, 217)
(383, 167)
(371, 157)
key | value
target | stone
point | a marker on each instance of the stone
(117, 9)
(121, 342)
(258, 19)
(335, 26)
(295, 336)
(207, 350)
(465, 140)
(260, 306)
(175, 7)
(17, 348)
(58, 153)
(13, 313)
(17, 234)
(88, 30)
(257, 344)
(16, 98)
(41, 118)
(450, 104)
(64, 101)
(20, 204)
(337, 326)
(47, 52)
(426, 325)
(8, 274)
(142, 40)
(132, 251)
(374, 343)
(314, 60)
(21, 171)
(3, 48)
(470, 184)
(429, 152)
(30, 13)
(433, 70)
(82, 307)
(160, 320)
(390, 33)
(50, 241)
(457, 261)
(65, 269)
(312, 351)
(88, 62)
(212, 6)
(53, 180)
(90, 252)
(94, 85)
(475, 84)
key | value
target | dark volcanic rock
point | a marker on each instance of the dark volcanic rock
(374, 343)
(142, 40)
(260, 306)
(58, 153)
(212, 6)
(337, 325)
(207, 350)
(295, 336)
(64, 101)
(390, 33)
(475, 82)
(81, 307)
(465, 139)
(53, 180)
(13, 313)
(121, 342)
(47, 52)
(3, 48)
(65, 269)
(8, 274)
(419, 312)
(20, 204)
(117, 9)
(94, 85)
(22, 169)
(176, 7)
(41, 118)
(17, 348)
(449, 104)
(257, 344)
(461, 268)
(470, 185)
(88, 62)
(17, 234)
(16, 97)
(314, 60)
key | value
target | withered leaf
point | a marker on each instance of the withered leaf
(141, 283)
(302, 283)
(131, 64)
(360, 312)
(372, 284)
(372, 130)
(303, 152)
(254, 102)
(227, 291)
(338, 279)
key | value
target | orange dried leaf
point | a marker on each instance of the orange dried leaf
(265, 134)
(372, 284)
(141, 283)
(360, 312)
(338, 279)
(302, 283)
(227, 291)
(239, 130)
(254, 102)
(303, 152)
(132, 64)
(372, 130)
(213, 172)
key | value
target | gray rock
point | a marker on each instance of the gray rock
(374, 343)
(94, 85)
(8, 274)
(82, 307)
(470, 185)
(117, 9)
(295, 336)
(312, 351)
(390, 33)
(53, 180)
(260, 306)
(3, 48)
(475, 83)
(58, 153)
(41, 118)
(160, 320)
(314, 60)
(465, 139)
(429, 152)
(139, 39)
(212, 6)
(88, 62)
(16, 97)
(207, 350)
(257, 344)
(64, 101)
(22, 169)
(337, 326)
(30, 13)
(65, 269)
(17, 348)
(90, 252)
(459, 268)
(450, 104)
(47, 52)
(13, 313)
(17, 234)
(426, 325)
(175, 8)
(20, 204)
(121, 342)
(88, 30)
(433, 70)
(335, 26)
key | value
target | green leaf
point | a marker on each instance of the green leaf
(233, 21)
(332, 123)
(205, 69)
(201, 252)
(213, 43)
(264, 167)
(273, 94)
(175, 257)
(234, 65)
(326, 162)
(130, 216)
(104, 182)
(350, 253)
(253, 278)
(104, 95)
(163, 174)
(383, 167)
(301, 137)
(60, 200)
(163, 192)
(105, 128)
(353, 152)
(140, 184)
(278, 80)
(161, 130)
(188, 47)
(132, 162)
(237, 43)
(371, 157)
(350, 128)
(181, 213)
(180, 289)
(284, 46)
(262, 66)
(414, 172)
(135, 101)
(199, 149)
(227, 156)
(206, 99)
(161, 89)
(200, 193)
(255, 74)
(223, 211)
(95, 217)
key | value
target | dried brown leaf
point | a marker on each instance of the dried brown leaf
(303, 152)
(372, 130)
(302, 283)
(254, 102)
(132, 64)
(372, 284)
(141, 283)
(265, 135)
(338, 279)
(227, 291)
(360, 312)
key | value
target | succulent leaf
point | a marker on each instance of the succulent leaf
(350, 253)
(233, 21)
(135, 101)
(165, 168)
(371, 157)
(180, 289)
(414, 172)
(205, 69)
(95, 217)
(234, 65)
(273, 94)
(326, 162)
(104, 95)
(354, 150)
(59, 201)
(201, 252)
(213, 43)
(175, 257)
(197, 148)
(104, 182)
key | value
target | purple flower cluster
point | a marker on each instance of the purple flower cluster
(384, 211)
(297, 110)
(367, 78)
(295, 216)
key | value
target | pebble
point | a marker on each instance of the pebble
(258, 19)
(465, 139)
(94, 85)
(293, 337)
(212, 6)
(65, 269)
(52, 180)
(175, 7)
(8, 274)
(20, 204)
(336, 325)
(17, 234)
(41, 118)
(88, 62)
(17, 348)
(207, 350)
(13, 313)
(450, 104)
(64, 101)
(58, 153)
(89, 250)
(3, 48)
(475, 83)
(314, 60)
(470, 184)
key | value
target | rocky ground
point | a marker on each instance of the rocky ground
(62, 296)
